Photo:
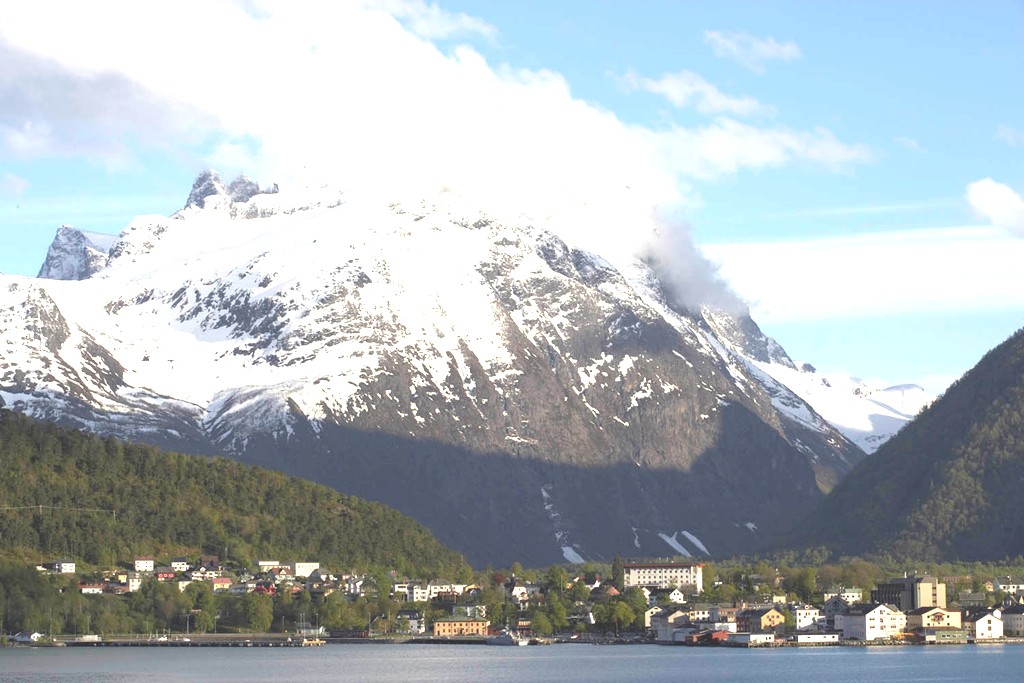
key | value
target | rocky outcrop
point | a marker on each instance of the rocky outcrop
(75, 254)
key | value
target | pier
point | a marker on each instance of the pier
(196, 641)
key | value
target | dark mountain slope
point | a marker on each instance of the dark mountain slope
(104, 500)
(945, 487)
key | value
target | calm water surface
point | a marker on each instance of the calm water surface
(561, 663)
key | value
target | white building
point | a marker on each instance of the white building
(180, 564)
(985, 626)
(752, 639)
(674, 596)
(807, 616)
(871, 621)
(686, 575)
(417, 593)
(304, 569)
(436, 588)
(1013, 621)
(64, 566)
(354, 584)
(851, 595)
(816, 638)
(700, 612)
(144, 564)
(1008, 584)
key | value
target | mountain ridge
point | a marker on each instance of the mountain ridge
(284, 328)
(945, 486)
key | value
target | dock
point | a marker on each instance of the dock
(197, 641)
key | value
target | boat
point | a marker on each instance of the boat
(507, 637)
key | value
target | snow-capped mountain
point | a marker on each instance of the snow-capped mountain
(76, 254)
(524, 398)
(867, 414)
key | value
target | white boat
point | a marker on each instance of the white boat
(507, 637)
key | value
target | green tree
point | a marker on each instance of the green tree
(558, 614)
(540, 624)
(579, 592)
(622, 615)
(258, 612)
(618, 574)
(708, 577)
(802, 582)
(635, 598)
(556, 578)
(204, 622)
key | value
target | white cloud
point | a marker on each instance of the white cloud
(1011, 136)
(910, 143)
(998, 203)
(432, 22)
(727, 146)
(946, 270)
(750, 51)
(50, 110)
(12, 186)
(349, 93)
(686, 88)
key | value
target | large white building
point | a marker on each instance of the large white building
(684, 575)
(304, 569)
(985, 625)
(1013, 621)
(808, 617)
(871, 621)
(144, 564)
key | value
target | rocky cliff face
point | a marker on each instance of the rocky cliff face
(208, 184)
(75, 254)
(525, 399)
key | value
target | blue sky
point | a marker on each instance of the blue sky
(874, 149)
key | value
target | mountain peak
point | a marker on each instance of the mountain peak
(75, 254)
(209, 184)
(242, 188)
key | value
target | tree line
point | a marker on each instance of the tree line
(96, 500)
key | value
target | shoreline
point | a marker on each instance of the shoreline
(264, 640)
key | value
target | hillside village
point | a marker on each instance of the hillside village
(644, 601)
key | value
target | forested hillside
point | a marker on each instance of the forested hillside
(97, 500)
(947, 486)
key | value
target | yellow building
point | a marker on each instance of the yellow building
(455, 626)
(933, 617)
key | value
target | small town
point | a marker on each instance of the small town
(204, 601)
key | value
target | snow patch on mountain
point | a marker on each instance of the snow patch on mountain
(673, 542)
(868, 415)
(697, 542)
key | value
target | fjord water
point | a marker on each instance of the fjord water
(563, 663)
